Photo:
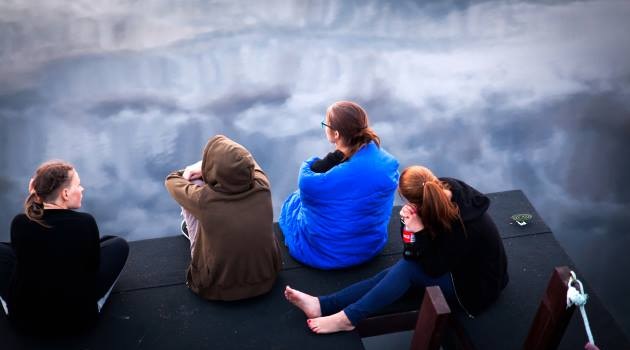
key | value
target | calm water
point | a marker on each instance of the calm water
(519, 95)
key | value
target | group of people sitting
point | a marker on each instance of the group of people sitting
(58, 271)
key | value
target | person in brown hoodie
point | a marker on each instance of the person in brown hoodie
(236, 254)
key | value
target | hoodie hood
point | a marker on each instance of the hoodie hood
(472, 203)
(227, 166)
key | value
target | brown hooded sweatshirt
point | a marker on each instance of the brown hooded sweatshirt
(236, 255)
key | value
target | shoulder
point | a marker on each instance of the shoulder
(86, 217)
(19, 221)
(472, 203)
(452, 182)
(372, 152)
(79, 215)
(20, 218)
(370, 148)
(82, 221)
(457, 188)
(81, 218)
(22, 227)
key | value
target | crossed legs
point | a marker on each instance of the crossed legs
(114, 253)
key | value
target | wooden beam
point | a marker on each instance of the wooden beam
(552, 317)
(432, 321)
(384, 324)
(429, 324)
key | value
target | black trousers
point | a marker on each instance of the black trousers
(114, 253)
(7, 264)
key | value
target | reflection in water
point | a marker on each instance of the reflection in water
(519, 95)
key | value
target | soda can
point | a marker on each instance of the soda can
(408, 236)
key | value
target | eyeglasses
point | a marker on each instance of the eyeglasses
(324, 124)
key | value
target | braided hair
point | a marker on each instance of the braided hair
(49, 179)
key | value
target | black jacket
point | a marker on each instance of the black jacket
(53, 287)
(331, 160)
(475, 257)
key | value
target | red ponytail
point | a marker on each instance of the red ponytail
(419, 186)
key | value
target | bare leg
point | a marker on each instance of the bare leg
(330, 324)
(307, 303)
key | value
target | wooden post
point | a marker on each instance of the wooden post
(552, 317)
(384, 324)
(432, 320)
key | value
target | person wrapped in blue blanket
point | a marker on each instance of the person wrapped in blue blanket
(339, 215)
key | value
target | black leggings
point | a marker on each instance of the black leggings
(114, 253)
(7, 263)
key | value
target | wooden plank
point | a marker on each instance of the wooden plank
(432, 320)
(429, 323)
(391, 323)
(552, 317)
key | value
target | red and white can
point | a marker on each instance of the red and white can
(408, 236)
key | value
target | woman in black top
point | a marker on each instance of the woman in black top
(450, 241)
(57, 273)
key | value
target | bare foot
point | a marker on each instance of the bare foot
(330, 324)
(307, 303)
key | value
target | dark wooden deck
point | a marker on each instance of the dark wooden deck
(151, 308)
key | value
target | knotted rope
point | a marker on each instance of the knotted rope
(579, 298)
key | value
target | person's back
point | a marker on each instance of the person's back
(474, 249)
(236, 254)
(339, 215)
(51, 264)
(449, 241)
(57, 273)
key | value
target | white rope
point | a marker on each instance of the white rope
(579, 298)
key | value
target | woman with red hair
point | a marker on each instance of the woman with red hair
(449, 241)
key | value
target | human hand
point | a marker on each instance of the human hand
(409, 216)
(192, 172)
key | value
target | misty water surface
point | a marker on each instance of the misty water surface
(506, 95)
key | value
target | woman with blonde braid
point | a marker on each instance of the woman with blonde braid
(450, 241)
(57, 273)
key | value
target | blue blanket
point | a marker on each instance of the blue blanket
(339, 218)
